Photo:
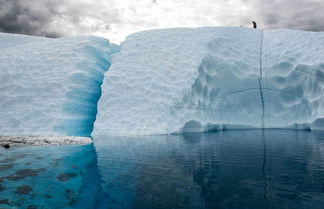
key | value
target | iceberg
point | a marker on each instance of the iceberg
(165, 81)
(50, 87)
(213, 78)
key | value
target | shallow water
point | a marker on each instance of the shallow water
(231, 169)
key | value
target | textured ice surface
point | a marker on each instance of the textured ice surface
(293, 79)
(205, 79)
(51, 86)
(162, 81)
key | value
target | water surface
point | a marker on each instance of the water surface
(231, 169)
(250, 169)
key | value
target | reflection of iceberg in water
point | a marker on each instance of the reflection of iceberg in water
(91, 194)
(49, 177)
(230, 169)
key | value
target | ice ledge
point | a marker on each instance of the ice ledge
(14, 141)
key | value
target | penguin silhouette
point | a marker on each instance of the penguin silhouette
(6, 146)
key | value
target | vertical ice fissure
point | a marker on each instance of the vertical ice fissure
(260, 80)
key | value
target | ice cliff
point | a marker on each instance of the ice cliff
(51, 86)
(161, 82)
(207, 79)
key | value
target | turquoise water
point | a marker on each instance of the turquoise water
(231, 169)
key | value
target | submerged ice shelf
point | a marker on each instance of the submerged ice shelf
(207, 79)
(162, 81)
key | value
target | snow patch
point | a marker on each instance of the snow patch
(15, 141)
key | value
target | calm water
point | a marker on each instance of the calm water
(231, 169)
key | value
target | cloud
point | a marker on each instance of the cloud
(55, 18)
(16, 17)
(294, 14)
(114, 19)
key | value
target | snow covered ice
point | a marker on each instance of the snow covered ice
(207, 79)
(50, 87)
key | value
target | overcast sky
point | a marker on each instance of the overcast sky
(115, 19)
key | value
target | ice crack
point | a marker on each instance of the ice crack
(260, 79)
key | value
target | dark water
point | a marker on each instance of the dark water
(231, 169)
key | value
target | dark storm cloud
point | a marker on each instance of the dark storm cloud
(53, 18)
(294, 14)
(118, 18)
(18, 16)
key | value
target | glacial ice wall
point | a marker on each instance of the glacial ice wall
(207, 79)
(162, 81)
(51, 86)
